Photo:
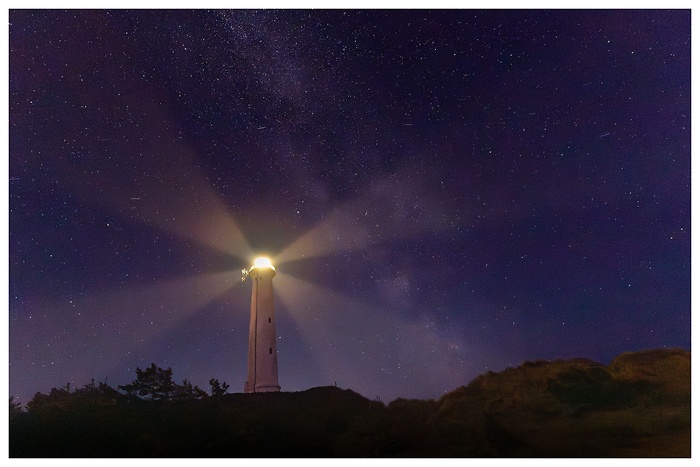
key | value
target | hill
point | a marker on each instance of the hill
(638, 406)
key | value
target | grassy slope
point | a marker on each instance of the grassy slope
(639, 405)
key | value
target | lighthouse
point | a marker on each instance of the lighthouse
(262, 337)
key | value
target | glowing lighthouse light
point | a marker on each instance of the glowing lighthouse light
(263, 263)
(262, 337)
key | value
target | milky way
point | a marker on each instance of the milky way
(443, 193)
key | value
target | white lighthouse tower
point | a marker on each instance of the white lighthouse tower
(262, 338)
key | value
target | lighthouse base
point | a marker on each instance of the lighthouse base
(249, 388)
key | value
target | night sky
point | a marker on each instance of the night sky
(443, 193)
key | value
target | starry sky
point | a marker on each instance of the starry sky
(443, 193)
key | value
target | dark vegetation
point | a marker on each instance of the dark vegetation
(638, 406)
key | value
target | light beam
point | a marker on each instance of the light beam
(161, 185)
(389, 209)
(95, 330)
